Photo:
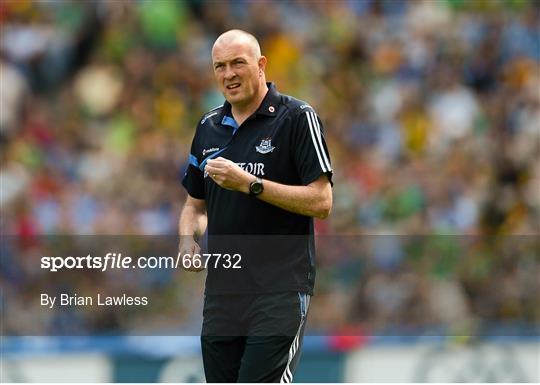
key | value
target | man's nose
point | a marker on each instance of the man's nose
(229, 73)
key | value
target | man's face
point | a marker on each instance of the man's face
(237, 72)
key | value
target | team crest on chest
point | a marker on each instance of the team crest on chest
(265, 147)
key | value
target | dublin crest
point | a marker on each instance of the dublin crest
(265, 147)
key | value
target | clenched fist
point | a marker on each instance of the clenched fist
(187, 249)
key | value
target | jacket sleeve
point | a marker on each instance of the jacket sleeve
(193, 180)
(310, 152)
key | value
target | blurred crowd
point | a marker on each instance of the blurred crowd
(432, 116)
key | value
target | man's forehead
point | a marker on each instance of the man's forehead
(228, 51)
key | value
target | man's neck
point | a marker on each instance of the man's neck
(242, 112)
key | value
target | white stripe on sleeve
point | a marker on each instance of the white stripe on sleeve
(313, 134)
(318, 131)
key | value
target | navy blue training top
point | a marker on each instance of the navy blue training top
(283, 141)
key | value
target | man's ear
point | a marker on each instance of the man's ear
(262, 63)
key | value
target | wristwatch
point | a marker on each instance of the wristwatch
(256, 187)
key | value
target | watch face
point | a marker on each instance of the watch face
(256, 187)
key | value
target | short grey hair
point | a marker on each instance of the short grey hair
(237, 34)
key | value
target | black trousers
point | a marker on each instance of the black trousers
(253, 338)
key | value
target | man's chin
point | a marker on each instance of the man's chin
(234, 99)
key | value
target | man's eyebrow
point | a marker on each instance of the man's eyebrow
(237, 58)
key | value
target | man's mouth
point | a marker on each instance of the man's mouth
(233, 86)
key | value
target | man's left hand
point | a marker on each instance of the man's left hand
(228, 174)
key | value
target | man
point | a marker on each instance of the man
(259, 172)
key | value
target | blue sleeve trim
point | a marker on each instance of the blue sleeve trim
(193, 160)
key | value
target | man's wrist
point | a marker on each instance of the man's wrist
(244, 187)
(194, 237)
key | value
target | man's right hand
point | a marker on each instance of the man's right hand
(187, 249)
